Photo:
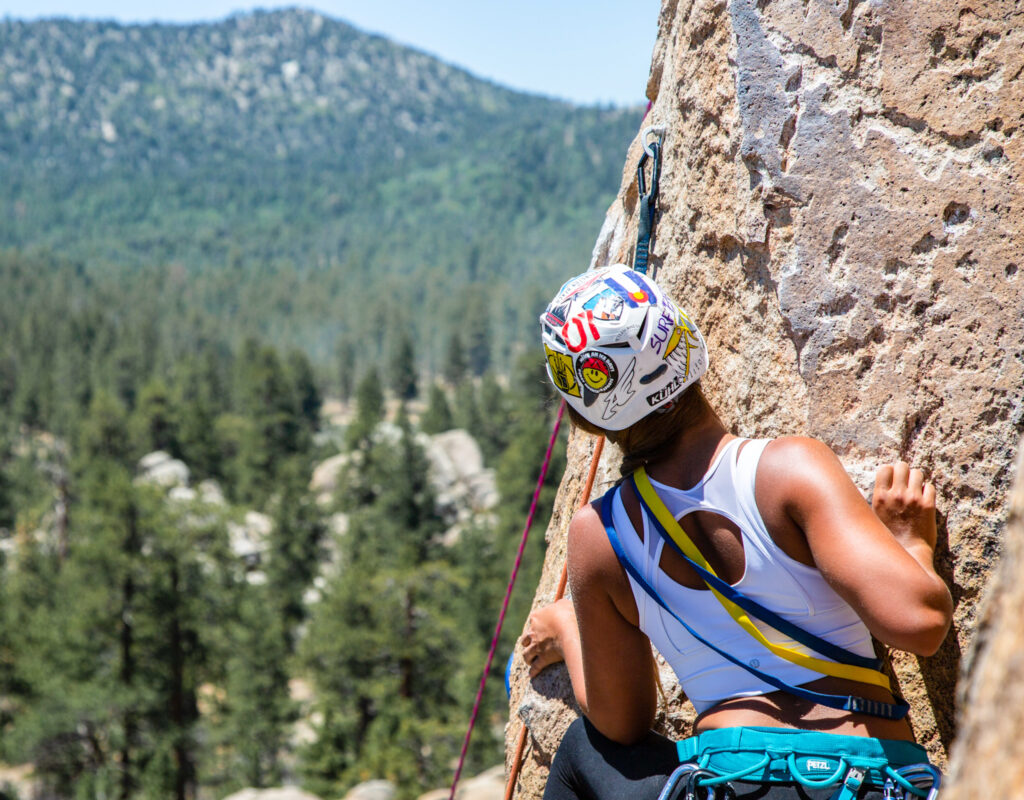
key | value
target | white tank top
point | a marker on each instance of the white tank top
(793, 590)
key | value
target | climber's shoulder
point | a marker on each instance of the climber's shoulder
(795, 471)
(588, 547)
(593, 566)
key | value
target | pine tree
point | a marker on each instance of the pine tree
(454, 360)
(403, 367)
(256, 711)
(476, 328)
(492, 432)
(307, 395)
(380, 642)
(154, 424)
(194, 410)
(467, 412)
(344, 357)
(369, 411)
(438, 416)
(274, 430)
(295, 551)
(103, 436)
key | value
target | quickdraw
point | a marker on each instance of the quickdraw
(648, 195)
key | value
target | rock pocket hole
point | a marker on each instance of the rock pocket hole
(956, 214)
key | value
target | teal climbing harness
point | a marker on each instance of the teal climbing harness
(648, 196)
(712, 760)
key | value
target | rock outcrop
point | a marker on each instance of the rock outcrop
(278, 793)
(465, 488)
(841, 211)
(988, 755)
(488, 785)
(373, 790)
(160, 469)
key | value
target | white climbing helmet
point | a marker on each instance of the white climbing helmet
(618, 348)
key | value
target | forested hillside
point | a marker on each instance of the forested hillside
(204, 231)
(298, 178)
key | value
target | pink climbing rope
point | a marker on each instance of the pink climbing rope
(508, 595)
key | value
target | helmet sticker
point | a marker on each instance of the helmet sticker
(607, 305)
(620, 397)
(689, 341)
(578, 330)
(573, 287)
(597, 371)
(560, 366)
(662, 331)
(644, 292)
(631, 298)
(556, 314)
(666, 391)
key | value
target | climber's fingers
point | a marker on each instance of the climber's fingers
(900, 474)
(916, 481)
(883, 477)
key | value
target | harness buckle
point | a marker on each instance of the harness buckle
(851, 784)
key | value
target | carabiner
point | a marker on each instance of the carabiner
(693, 783)
(907, 776)
(668, 790)
(656, 130)
(654, 156)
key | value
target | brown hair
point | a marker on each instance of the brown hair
(652, 438)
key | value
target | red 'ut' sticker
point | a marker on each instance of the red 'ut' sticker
(581, 324)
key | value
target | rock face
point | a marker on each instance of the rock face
(160, 469)
(465, 488)
(988, 755)
(841, 212)
(282, 793)
(373, 790)
(488, 785)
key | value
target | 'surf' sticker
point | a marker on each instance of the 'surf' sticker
(597, 371)
(561, 372)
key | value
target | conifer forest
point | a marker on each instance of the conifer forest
(236, 257)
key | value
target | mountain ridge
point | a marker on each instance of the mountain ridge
(311, 156)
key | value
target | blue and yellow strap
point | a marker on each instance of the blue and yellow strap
(843, 702)
(670, 529)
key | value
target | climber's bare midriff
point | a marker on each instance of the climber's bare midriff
(782, 710)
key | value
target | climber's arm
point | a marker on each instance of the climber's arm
(880, 561)
(614, 679)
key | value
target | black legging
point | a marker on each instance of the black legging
(589, 766)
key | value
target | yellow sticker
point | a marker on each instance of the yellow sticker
(562, 374)
(673, 341)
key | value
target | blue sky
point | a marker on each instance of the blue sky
(589, 51)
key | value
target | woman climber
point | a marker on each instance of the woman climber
(755, 567)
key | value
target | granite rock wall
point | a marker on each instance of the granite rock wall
(842, 212)
(987, 759)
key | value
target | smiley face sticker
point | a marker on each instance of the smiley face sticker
(596, 371)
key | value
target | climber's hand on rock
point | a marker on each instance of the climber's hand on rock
(906, 504)
(545, 632)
